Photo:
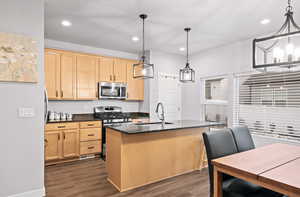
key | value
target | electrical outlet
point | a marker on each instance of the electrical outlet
(26, 112)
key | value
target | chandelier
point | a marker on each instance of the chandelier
(187, 74)
(143, 69)
(282, 49)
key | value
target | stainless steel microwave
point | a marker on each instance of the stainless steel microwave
(108, 90)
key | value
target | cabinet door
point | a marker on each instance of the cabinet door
(106, 69)
(87, 77)
(135, 87)
(67, 76)
(53, 148)
(52, 74)
(70, 143)
(120, 70)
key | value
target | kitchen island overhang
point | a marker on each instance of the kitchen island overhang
(139, 155)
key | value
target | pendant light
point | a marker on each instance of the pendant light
(143, 69)
(279, 49)
(187, 74)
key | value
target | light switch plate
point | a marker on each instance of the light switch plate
(26, 112)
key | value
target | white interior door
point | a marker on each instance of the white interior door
(170, 95)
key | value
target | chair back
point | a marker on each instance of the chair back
(218, 144)
(243, 138)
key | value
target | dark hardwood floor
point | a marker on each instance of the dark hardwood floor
(88, 179)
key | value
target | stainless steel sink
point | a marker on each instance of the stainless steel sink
(151, 123)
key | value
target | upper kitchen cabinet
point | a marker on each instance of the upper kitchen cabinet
(106, 69)
(112, 70)
(68, 76)
(135, 87)
(60, 75)
(52, 74)
(120, 69)
(87, 70)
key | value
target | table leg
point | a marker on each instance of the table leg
(218, 192)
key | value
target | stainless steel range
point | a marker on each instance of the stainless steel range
(110, 115)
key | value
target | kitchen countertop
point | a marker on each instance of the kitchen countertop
(131, 128)
(91, 117)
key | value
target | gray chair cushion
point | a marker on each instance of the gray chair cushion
(243, 138)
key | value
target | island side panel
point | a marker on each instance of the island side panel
(113, 157)
(150, 157)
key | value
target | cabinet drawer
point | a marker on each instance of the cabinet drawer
(90, 147)
(61, 126)
(90, 134)
(91, 124)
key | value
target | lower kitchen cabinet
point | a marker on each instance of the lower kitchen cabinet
(52, 145)
(68, 141)
(61, 141)
(90, 137)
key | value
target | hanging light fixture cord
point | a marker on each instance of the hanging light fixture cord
(187, 45)
(143, 17)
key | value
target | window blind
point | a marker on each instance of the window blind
(269, 104)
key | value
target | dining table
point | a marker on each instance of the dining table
(275, 167)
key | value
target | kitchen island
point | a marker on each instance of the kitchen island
(140, 154)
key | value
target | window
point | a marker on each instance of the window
(215, 99)
(269, 104)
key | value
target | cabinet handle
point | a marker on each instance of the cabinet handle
(91, 134)
(58, 136)
(110, 77)
(56, 93)
(60, 127)
(64, 136)
(46, 142)
(91, 147)
(90, 125)
(62, 94)
(114, 77)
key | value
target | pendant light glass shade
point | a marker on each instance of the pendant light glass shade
(187, 74)
(280, 50)
(143, 69)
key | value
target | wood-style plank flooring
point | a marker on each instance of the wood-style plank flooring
(88, 179)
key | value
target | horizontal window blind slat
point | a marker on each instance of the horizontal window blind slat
(269, 104)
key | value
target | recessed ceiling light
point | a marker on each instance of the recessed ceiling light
(66, 23)
(181, 49)
(265, 21)
(135, 39)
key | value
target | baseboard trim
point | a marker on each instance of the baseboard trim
(32, 193)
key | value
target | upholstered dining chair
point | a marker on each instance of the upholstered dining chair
(242, 138)
(222, 143)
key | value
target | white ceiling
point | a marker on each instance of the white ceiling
(111, 23)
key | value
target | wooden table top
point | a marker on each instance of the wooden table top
(286, 176)
(257, 161)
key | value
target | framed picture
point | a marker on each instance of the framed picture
(18, 58)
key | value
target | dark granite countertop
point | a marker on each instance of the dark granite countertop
(91, 117)
(131, 128)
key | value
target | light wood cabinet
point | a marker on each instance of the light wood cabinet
(87, 68)
(68, 76)
(70, 143)
(52, 74)
(61, 142)
(60, 75)
(52, 145)
(106, 69)
(112, 70)
(74, 76)
(90, 137)
(120, 70)
(135, 87)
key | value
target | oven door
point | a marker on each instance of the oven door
(112, 90)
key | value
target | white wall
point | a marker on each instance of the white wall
(87, 106)
(165, 63)
(225, 60)
(22, 139)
